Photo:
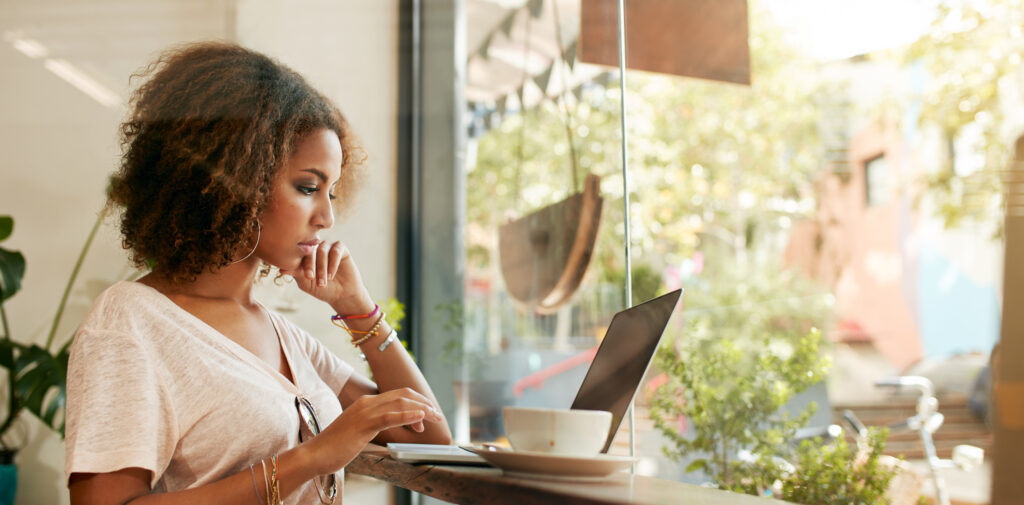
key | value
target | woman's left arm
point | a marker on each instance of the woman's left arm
(393, 369)
(331, 275)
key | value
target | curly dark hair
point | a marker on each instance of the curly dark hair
(207, 134)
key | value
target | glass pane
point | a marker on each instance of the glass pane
(834, 220)
(543, 210)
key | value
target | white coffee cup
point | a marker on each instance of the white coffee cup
(565, 432)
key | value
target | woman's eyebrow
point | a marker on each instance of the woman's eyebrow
(322, 176)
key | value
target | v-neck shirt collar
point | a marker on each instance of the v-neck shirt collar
(233, 347)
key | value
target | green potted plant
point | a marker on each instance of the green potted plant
(35, 374)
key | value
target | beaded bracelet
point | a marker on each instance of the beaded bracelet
(275, 492)
(339, 317)
(393, 336)
(366, 335)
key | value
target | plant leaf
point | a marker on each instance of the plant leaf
(6, 227)
(12, 269)
(7, 353)
(40, 383)
(7, 348)
(699, 464)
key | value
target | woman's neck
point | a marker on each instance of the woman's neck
(232, 282)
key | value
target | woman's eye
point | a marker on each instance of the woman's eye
(307, 190)
(332, 196)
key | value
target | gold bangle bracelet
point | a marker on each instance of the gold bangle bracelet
(367, 335)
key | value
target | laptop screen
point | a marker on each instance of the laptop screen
(623, 358)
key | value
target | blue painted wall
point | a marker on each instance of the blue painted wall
(955, 314)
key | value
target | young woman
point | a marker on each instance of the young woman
(182, 388)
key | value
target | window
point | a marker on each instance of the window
(876, 181)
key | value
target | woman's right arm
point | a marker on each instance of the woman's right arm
(334, 448)
(131, 485)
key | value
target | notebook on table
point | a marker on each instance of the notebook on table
(611, 382)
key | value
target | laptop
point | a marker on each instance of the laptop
(611, 382)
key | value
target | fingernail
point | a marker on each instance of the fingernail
(322, 282)
(309, 273)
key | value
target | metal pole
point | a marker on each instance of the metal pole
(625, 191)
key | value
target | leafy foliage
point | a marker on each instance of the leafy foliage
(39, 380)
(36, 376)
(395, 311)
(646, 281)
(750, 344)
(838, 473)
(12, 265)
(732, 396)
(703, 155)
(972, 52)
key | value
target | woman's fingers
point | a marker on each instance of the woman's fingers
(322, 253)
(406, 399)
(337, 254)
(320, 266)
(330, 274)
(410, 418)
(399, 407)
(307, 267)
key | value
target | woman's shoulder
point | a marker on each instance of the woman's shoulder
(121, 304)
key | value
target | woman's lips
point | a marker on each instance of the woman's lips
(309, 246)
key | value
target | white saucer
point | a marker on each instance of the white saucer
(551, 465)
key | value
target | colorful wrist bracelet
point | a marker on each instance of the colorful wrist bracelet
(371, 331)
(339, 317)
(366, 335)
(341, 324)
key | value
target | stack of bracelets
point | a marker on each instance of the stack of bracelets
(358, 337)
(273, 486)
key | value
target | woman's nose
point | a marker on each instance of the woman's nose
(324, 216)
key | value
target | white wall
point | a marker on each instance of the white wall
(349, 50)
(58, 147)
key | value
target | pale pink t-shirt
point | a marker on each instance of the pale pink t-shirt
(151, 386)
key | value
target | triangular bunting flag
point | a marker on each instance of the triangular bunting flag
(536, 6)
(500, 104)
(542, 79)
(506, 24)
(570, 55)
(485, 48)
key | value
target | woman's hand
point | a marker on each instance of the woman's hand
(330, 274)
(369, 415)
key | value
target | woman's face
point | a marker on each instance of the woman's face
(300, 202)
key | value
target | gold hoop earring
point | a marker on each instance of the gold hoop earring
(259, 232)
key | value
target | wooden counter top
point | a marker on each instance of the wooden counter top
(469, 485)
